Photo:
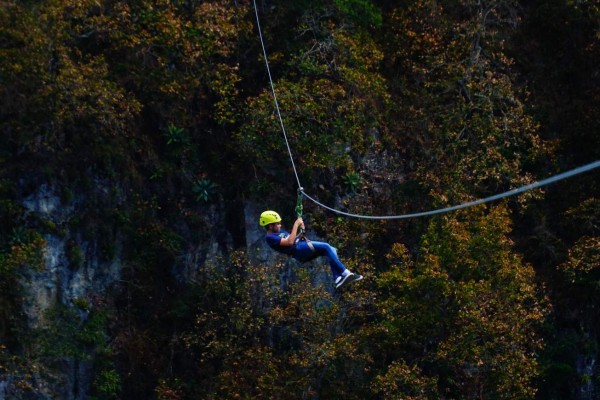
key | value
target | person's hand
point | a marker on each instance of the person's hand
(299, 223)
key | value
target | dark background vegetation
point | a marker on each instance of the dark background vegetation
(390, 108)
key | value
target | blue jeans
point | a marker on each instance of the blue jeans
(303, 253)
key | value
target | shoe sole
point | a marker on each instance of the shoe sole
(349, 279)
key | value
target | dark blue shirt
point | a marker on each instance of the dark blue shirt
(274, 240)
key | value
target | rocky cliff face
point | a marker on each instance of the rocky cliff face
(74, 270)
(77, 272)
(74, 273)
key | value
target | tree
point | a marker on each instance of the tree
(330, 95)
(463, 113)
(465, 315)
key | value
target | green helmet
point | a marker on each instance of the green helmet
(269, 217)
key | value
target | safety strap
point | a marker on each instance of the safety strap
(299, 209)
(308, 242)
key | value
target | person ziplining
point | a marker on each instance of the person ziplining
(296, 245)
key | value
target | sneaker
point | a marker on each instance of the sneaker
(343, 280)
(337, 281)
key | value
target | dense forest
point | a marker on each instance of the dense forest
(139, 142)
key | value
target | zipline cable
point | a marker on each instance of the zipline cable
(547, 181)
(287, 143)
(512, 192)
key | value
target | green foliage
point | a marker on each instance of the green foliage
(361, 12)
(93, 332)
(406, 382)
(107, 384)
(26, 250)
(320, 126)
(260, 340)
(352, 181)
(74, 254)
(583, 264)
(468, 309)
(479, 135)
(204, 190)
(82, 303)
(175, 135)
(65, 334)
(332, 96)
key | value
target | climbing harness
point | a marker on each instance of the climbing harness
(301, 192)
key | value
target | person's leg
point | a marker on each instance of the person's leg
(341, 275)
(303, 252)
(328, 251)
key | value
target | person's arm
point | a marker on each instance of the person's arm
(289, 241)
